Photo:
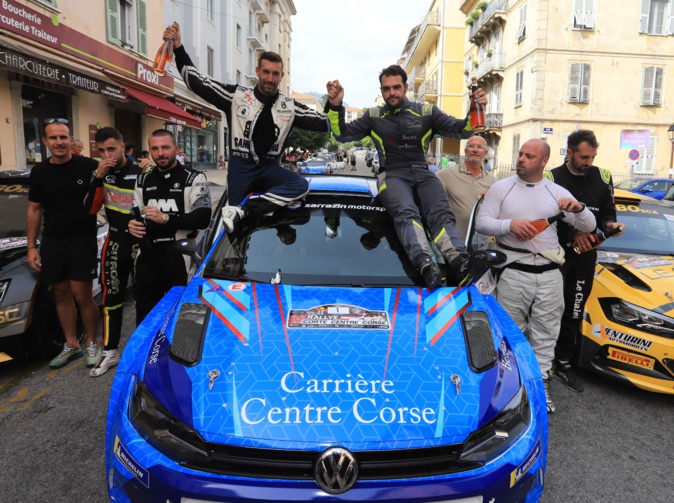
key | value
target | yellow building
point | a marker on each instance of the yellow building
(433, 59)
(89, 65)
(554, 66)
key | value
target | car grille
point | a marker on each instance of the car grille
(299, 465)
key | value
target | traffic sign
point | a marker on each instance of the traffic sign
(634, 154)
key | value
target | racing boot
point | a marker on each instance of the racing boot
(231, 216)
(468, 268)
(564, 372)
(431, 274)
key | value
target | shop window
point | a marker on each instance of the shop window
(126, 24)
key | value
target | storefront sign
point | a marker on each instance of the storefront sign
(34, 67)
(49, 31)
(634, 139)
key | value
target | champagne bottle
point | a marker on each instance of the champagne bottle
(146, 241)
(477, 122)
(598, 239)
(544, 223)
(164, 58)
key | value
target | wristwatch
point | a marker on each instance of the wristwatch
(165, 217)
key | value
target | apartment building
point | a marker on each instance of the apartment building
(551, 67)
(433, 59)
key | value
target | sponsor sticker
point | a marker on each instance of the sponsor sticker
(613, 335)
(647, 262)
(487, 283)
(338, 316)
(236, 287)
(10, 243)
(631, 359)
(131, 464)
(504, 356)
(516, 475)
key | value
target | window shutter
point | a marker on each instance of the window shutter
(142, 28)
(112, 20)
(585, 83)
(643, 21)
(669, 29)
(589, 14)
(574, 81)
(516, 148)
(650, 155)
(647, 85)
(578, 13)
(657, 86)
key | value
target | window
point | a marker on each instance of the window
(50, 3)
(126, 24)
(579, 83)
(238, 77)
(516, 148)
(519, 82)
(583, 15)
(651, 86)
(209, 10)
(495, 99)
(522, 29)
(656, 17)
(238, 36)
(649, 158)
(210, 61)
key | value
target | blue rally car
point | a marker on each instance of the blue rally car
(305, 361)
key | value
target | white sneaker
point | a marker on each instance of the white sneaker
(108, 359)
(548, 401)
(232, 215)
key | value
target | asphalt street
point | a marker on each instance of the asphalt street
(610, 444)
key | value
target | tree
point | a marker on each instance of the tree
(308, 140)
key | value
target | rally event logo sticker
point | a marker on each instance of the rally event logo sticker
(338, 316)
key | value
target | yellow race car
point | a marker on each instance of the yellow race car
(627, 332)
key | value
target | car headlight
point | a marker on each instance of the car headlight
(164, 431)
(637, 317)
(500, 433)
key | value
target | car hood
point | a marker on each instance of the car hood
(645, 280)
(304, 365)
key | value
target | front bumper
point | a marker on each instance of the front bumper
(136, 472)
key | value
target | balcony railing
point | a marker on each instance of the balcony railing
(495, 62)
(428, 87)
(494, 6)
(494, 121)
(433, 18)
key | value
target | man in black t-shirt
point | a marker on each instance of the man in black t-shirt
(68, 256)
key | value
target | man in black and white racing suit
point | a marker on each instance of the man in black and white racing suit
(174, 202)
(260, 120)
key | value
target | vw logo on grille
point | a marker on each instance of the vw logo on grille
(336, 470)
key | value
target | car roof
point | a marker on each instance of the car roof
(15, 174)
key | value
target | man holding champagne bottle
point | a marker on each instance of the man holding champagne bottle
(520, 212)
(594, 187)
(260, 120)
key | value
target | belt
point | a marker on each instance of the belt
(533, 269)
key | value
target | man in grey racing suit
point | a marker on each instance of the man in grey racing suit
(411, 193)
(260, 121)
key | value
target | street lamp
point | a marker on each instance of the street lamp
(670, 132)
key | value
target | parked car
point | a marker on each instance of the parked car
(314, 166)
(305, 361)
(28, 321)
(627, 333)
(669, 196)
(651, 187)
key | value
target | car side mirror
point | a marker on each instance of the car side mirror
(188, 247)
(495, 257)
(646, 189)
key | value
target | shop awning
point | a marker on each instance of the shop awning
(161, 108)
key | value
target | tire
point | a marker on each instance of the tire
(45, 336)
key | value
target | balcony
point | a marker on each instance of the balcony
(262, 16)
(429, 31)
(428, 92)
(416, 76)
(494, 121)
(255, 42)
(490, 67)
(495, 13)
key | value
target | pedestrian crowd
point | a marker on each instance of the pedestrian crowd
(543, 283)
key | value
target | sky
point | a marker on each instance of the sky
(349, 40)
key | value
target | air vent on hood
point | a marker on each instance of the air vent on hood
(627, 276)
(189, 333)
(479, 340)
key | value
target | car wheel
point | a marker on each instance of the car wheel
(45, 336)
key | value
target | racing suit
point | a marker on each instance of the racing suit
(406, 185)
(595, 190)
(183, 194)
(115, 192)
(259, 129)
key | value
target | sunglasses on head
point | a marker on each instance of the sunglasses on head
(56, 119)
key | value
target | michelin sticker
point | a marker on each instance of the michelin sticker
(131, 464)
(338, 316)
(526, 464)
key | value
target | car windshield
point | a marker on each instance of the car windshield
(649, 229)
(629, 184)
(13, 206)
(316, 162)
(349, 243)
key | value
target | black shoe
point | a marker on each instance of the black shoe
(564, 372)
(468, 268)
(431, 274)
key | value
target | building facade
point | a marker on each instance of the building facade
(433, 59)
(551, 67)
